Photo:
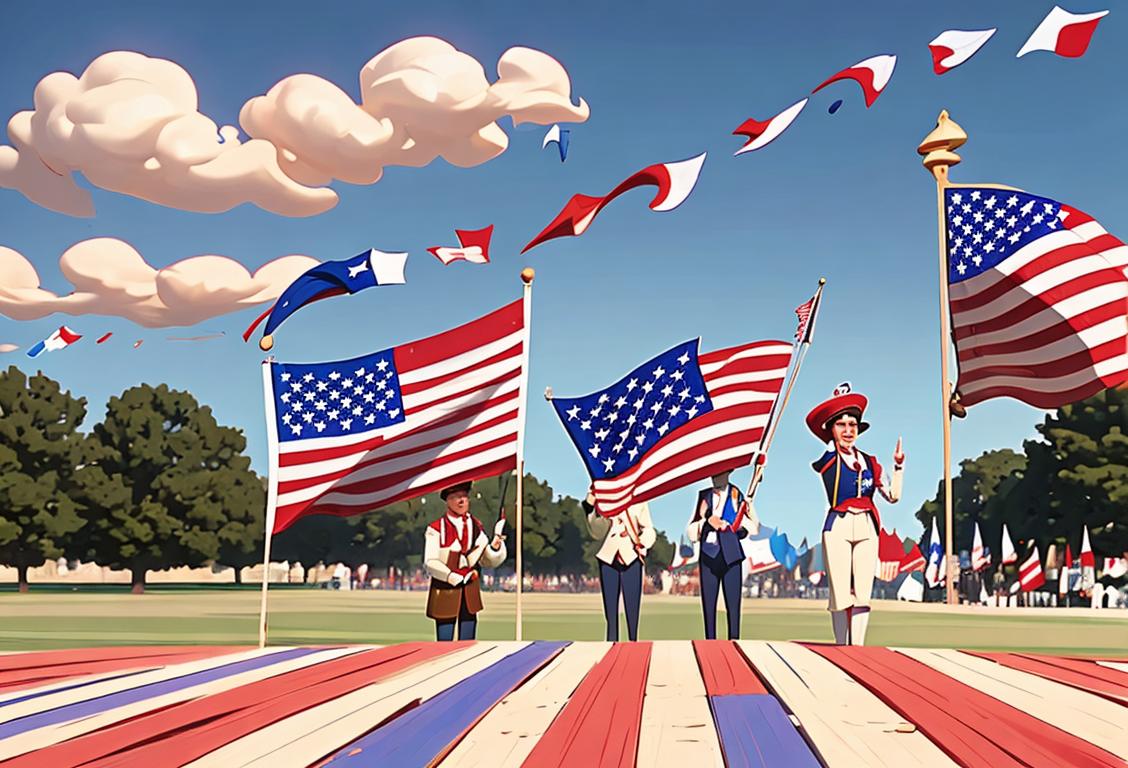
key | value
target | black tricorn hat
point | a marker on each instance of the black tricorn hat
(464, 487)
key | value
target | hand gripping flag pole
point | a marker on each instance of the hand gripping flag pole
(527, 275)
(938, 151)
(805, 334)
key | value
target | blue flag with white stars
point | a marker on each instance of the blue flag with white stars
(988, 225)
(334, 399)
(615, 427)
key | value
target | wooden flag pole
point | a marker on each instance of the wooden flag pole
(527, 275)
(939, 155)
(271, 489)
(776, 414)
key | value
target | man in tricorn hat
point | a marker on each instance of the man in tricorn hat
(850, 533)
(453, 548)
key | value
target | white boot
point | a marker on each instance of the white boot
(840, 621)
(859, 621)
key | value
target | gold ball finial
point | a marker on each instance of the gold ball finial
(822, 281)
(939, 145)
(266, 343)
(527, 275)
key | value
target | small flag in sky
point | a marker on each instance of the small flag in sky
(59, 339)
(675, 419)
(674, 181)
(760, 133)
(474, 247)
(872, 75)
(1064, 33)
(104, 337)
(558, 136)
(1030, 574)
(955, 46)
(1008, 554)
(936, 570)
(331, 278)
(1037, 292)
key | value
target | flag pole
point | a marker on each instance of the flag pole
(527, 275)
(802, 345)
(939, 155)
(271, 488)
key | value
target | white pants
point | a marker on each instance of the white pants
(850, 552)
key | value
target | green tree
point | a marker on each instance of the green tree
(309, 541)
(241, 536)
(164, 485)
(660, 555)
(39, 447)
(974, 491)
(1078, 476)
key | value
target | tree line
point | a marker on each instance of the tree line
(159, 483)
(1075, 474)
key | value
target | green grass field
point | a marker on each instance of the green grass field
(40, 620)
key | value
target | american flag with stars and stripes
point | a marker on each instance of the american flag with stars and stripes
(675, 419)
(354, 435)
(1038, 297)
(807, 312)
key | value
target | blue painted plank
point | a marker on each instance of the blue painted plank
(425, 733)
(90, 707)
(755, 732)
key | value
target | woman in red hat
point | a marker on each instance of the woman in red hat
(850, 533)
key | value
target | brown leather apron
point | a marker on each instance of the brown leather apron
(444, 601)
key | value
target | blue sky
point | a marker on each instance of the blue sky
(842, 197)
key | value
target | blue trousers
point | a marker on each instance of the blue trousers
(467, 626)
(716, 577)
(627, 580)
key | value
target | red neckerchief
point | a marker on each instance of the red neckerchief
(450, 533)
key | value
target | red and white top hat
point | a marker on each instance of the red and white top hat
(823, 415)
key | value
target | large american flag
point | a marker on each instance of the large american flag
(1038, 297)
(675, 419)
(354, 435)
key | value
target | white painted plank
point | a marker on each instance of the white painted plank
(508, 733)
(308, 736)
(846, 724)
(677, 725)
(43, 737)
(1087, 716)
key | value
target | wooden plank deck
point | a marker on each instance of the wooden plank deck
(505, 704)
(847, 724)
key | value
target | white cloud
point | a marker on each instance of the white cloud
(130, 124)
(111, 278)
(8, 348)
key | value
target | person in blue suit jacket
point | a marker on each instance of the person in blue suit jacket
(719, 524)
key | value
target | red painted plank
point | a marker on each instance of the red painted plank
(1086, 675)
(599, 726)
(194, 728)
(30, 677)
(34, 659)
(724, 669)
(974, 729)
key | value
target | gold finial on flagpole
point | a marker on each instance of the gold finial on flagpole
(266, 343)
(938, 149)
(527, 275)
(939, 145)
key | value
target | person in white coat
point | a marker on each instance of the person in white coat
(626, 539)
